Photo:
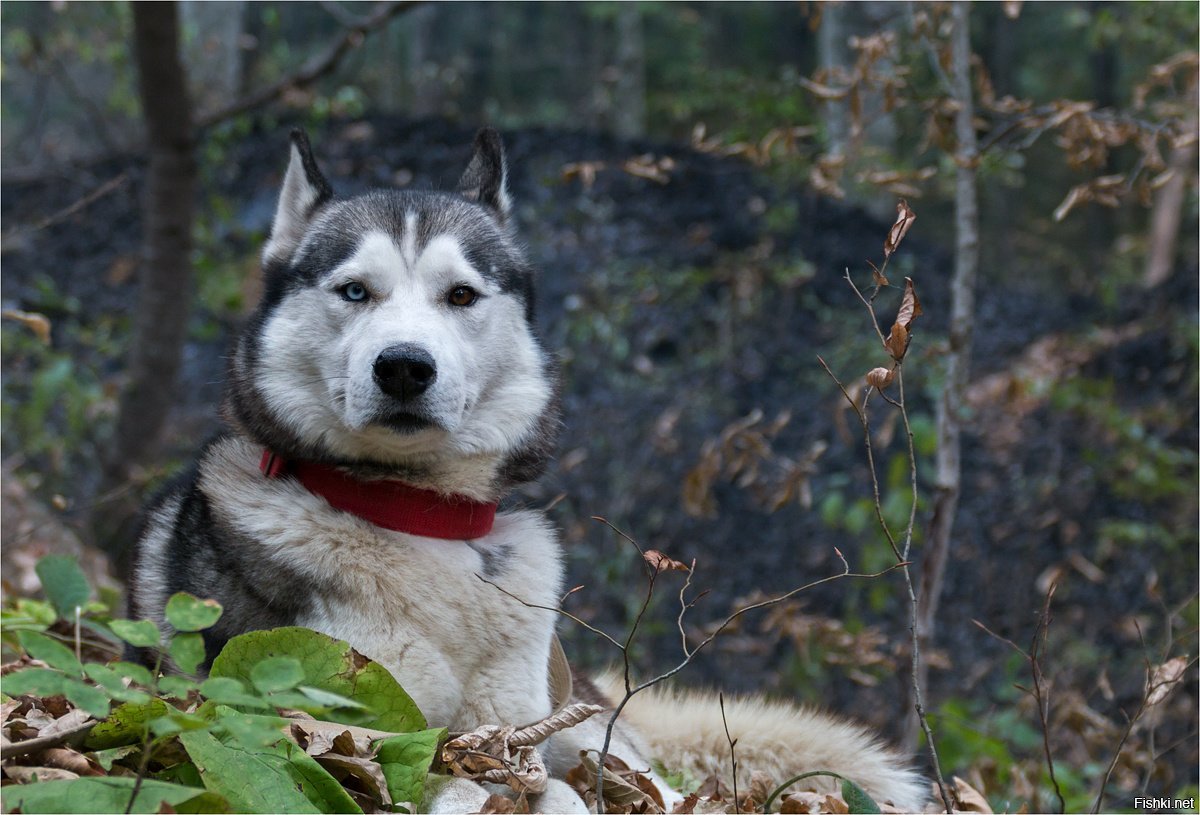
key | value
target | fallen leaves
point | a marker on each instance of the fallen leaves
(508, 755)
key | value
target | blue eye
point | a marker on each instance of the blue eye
(354, 292)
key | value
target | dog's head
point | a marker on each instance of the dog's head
(396, 333)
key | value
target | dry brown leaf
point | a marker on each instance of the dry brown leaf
(625, 789)
(970, 799)
(26, 775)
(910, 306)
(1164, 677)
(661, 563)
(39, 324)
(369, 774)
(880, 377)
(897, 341)
(802, 803)
(834, 803)
(761, 787)
(64, 758)
(878, 277)
(488, 754)
(497, 804)
(904, 219)
(714, 788)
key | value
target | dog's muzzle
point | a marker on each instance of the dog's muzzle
(404, 371)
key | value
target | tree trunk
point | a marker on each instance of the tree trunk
(213, 57)
(165, 275)
(833, 53)
(629, 110)
(421, 69)
(1167, 214)
(947, 479)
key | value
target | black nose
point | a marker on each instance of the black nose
(404, 371)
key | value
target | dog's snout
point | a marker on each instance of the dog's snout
(405, 371)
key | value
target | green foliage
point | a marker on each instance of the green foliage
(204, 737)
(108, 794)
(327, 665)
(406, 760)
(64, 583)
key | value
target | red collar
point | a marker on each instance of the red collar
(391, 504)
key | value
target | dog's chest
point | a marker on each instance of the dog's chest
(431, 611)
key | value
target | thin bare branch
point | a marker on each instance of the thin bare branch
(566, 614)
(319, 66)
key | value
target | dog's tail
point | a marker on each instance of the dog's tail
(684, 730)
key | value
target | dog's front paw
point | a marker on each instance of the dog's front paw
(446, 794)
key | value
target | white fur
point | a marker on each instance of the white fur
(291, 213)
(318, 352)
(152, 564)
(467, 653)
(685, 731)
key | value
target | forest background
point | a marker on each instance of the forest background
(694, 181)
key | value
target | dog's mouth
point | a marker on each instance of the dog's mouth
(404, 422)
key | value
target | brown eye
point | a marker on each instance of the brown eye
(462, 296)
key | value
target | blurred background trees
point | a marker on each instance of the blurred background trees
(693, 180)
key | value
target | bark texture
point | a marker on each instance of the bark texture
(947, 478)
(165, 275)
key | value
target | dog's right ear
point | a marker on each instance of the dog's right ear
(304, 191)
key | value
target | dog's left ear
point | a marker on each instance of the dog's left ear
(304, 191)
(486, 178)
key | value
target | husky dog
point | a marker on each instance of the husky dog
(388, 391)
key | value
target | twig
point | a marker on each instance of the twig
(316, 68)
(35, 745)
(1041, 692)
(147, 739)
(634, 689)
(732, 755)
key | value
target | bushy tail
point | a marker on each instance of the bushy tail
(683, 729)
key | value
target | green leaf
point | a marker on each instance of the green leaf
(107, 794)
(26, 613)
(126, 724)
(176, 686)
(188, 613)
(139, 633)
(226, 690)
(330, 665)
(277, 673)
(188, 651)
(329, 700)
(36, 681)
(856, 798)
(105, 758)
(280, 778)
(49, 682)
(64, 583)
(405, 760)
(50, 651)
(250, 731)
(138, 673)
(113, 683)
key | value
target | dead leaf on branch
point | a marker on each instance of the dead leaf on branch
(969, 799)
(880, 377)
(910, 309)
(37, 323)
(661, 563)
(904, 220)
(1164, 677)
